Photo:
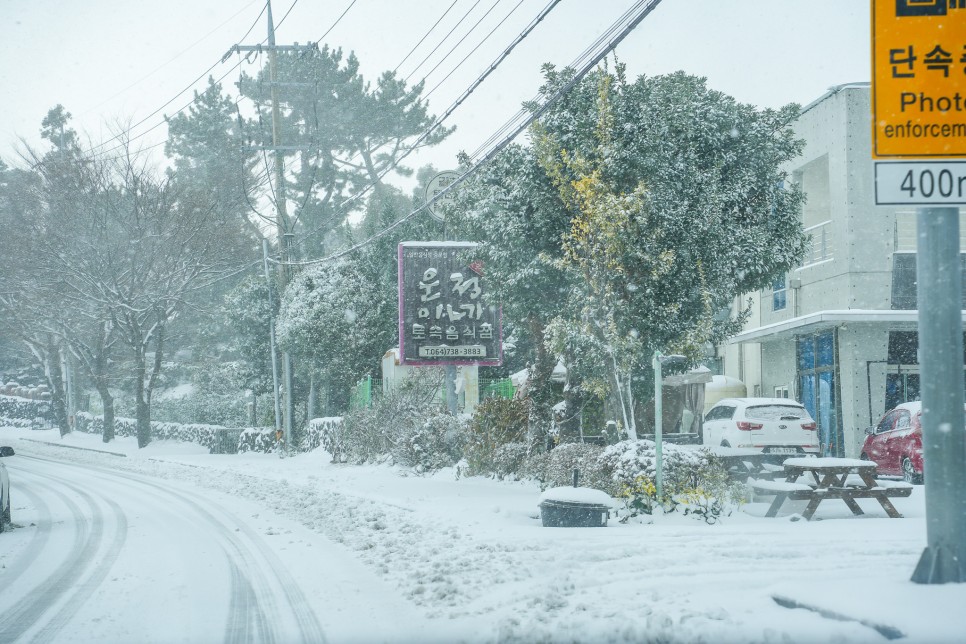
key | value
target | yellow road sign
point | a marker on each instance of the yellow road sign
(918, 79)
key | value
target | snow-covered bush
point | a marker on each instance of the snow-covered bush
(408, 426)
(497, 424)
(694, 481)
(430, 442)
(24, 408)
(321, 432)
(214, 394)
(204, 435)
(258, 439)
(509, 461)
(23, 423)
(556, 467)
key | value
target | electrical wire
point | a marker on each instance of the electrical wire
(95, 148)
(472, 51)
(440, 44)
(179, 55)
(425, 36)
(460, 41)
(645, 7)
(337, 21)
(343, 207)
(576, 64)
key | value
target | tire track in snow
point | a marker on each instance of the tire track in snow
(56, 599)
(253, 611)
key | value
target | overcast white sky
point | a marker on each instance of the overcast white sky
(109, 60)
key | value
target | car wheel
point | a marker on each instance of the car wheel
(865, 457)
(909, 473)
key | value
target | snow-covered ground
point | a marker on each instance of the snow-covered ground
(441, 558)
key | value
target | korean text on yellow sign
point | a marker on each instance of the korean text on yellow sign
(918, 79)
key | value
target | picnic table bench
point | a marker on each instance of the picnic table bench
(743, 464)
(830, 478)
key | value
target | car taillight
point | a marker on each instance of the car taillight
(810, 426)
(745, 426)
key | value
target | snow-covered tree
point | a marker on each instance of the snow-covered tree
(670, 203)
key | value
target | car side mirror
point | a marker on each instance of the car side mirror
(6, 450)
(870, 430)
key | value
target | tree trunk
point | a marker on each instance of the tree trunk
(55, 379)
(143, 410)
(108, 403)
(539, 386)
(570, 427)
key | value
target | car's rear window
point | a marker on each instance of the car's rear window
(776, 412)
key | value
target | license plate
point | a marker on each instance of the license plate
(782, 450)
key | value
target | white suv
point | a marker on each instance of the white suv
(4, 489)
(772, 425)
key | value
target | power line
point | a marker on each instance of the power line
(472, 51)
(341, 208)
(179, 55)
(644, 8)
(576, 64)
(334, 24)
(440, 44)
(425, 36)
(171, 100)
(460, 41)
(192, 84)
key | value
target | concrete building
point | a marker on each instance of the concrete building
(839, 332)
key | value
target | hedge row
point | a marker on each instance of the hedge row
(262, 439)
(204, 435)
(23, 423)
(14, 407)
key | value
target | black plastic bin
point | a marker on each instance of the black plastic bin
(573, 514)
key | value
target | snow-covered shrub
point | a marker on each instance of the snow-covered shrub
(27, 409)
(408, 425)
(204, 435)
(509, 461)
(430, 442)
(496, 423)
(258, 439)
(321, 432)
(23, 423)
(214, 394)
(694, 481)
(556, 467)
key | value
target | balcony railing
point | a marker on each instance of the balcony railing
(820, 248)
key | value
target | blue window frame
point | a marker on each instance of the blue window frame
(778, 294)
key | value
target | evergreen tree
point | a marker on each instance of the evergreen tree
(669, 203)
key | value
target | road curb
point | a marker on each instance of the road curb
(83, 449)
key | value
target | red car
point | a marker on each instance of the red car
(895, 442)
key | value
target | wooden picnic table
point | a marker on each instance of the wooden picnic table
(831, 478)
(743, 463)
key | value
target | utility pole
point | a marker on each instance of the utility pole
(283, 224)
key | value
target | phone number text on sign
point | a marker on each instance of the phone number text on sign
(452, 352)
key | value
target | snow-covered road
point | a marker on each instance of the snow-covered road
(114, 556)
(380, 554)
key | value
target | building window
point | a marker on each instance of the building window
(904, 291)
(779, 296)
(781, 392)
(818, 389)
